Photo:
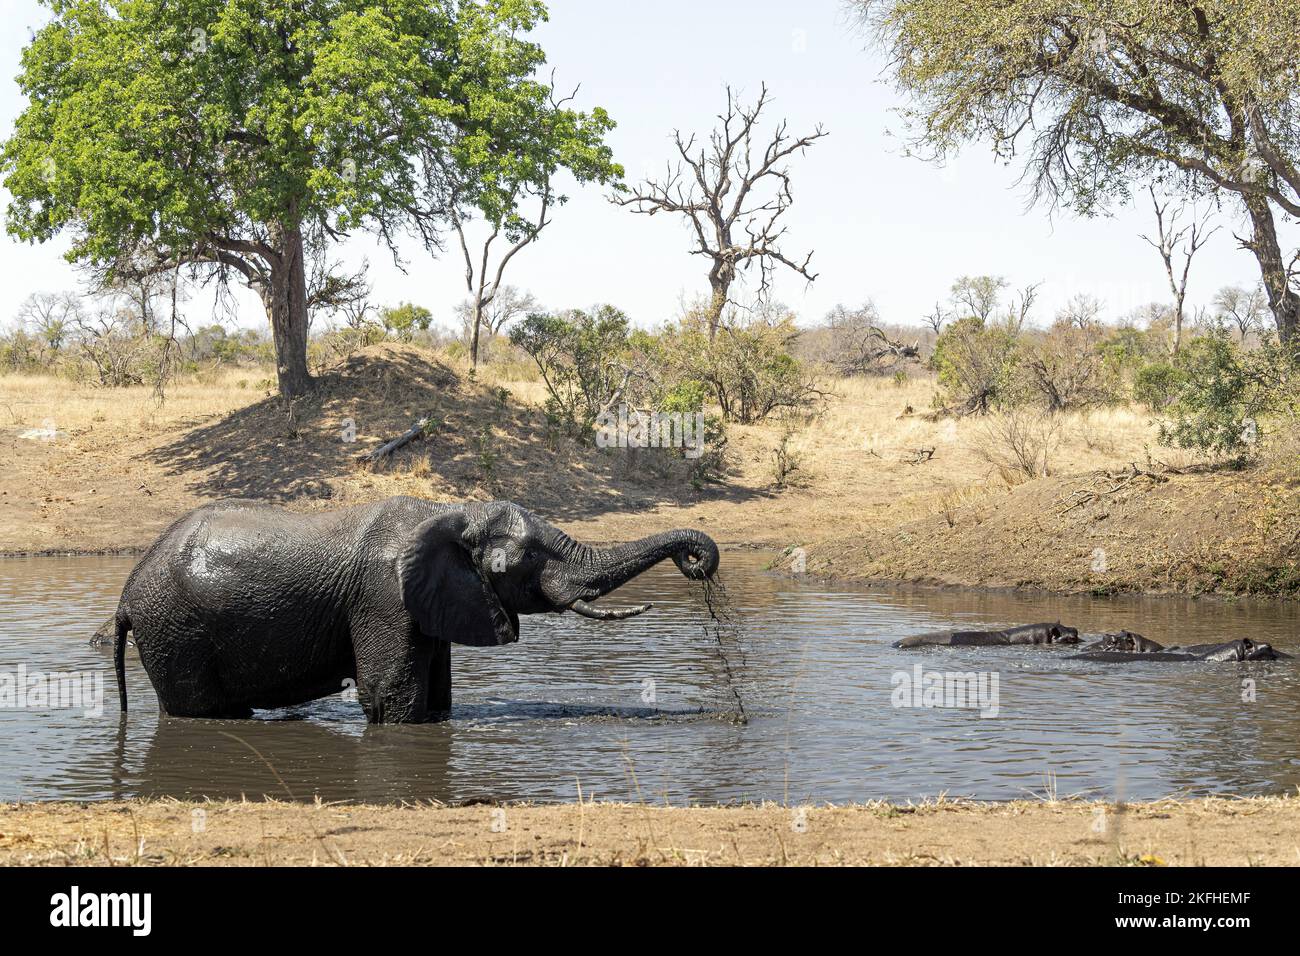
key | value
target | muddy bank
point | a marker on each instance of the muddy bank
(1253, 832)
(1215, 532)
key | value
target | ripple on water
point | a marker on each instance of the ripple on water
(645, 709)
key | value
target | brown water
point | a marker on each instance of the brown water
(641, 710)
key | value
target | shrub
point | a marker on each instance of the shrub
(581, 357)
(1156, 386)
(1223, 396)
(749, 368)
(1020, 443)
(1065, 367)
(976, 364)
(857, 342)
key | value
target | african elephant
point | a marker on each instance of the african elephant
(239, 605)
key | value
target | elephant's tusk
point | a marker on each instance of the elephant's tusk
(608, 614)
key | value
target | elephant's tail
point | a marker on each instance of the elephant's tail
(119, 656)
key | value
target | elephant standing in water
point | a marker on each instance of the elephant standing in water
(240, 606)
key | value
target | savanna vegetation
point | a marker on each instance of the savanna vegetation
(1190, 106)
(182, 147)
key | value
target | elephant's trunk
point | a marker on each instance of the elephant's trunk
(586, 573)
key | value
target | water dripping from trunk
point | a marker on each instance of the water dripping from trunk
(724, 631)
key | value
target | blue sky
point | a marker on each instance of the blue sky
(884, 227)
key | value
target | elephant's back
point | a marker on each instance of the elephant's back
(236, 555)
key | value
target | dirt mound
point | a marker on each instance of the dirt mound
(482, 443)
(110, 484)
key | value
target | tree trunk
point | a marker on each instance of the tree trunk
(1178, 325)
(717, 302)
(1282, 299)
(286, 306)
(478, 321)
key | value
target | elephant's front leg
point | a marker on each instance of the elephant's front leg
(393, 670)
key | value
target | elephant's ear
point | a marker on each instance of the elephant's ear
(444, 590)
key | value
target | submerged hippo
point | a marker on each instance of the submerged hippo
(1124, 642)
(1242, 650)
(1026, 634)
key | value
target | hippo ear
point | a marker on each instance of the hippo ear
(444, 589)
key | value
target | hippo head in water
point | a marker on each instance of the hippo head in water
(1243, 650)
(1057, 633)
(1127, 642)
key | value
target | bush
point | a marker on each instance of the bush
(1020, 442)
(976, 363)
(582, 360)
(1221, 398)
(748, 369)
(857, 342)
(1156, 386)
(1065, 367)
(20, 351)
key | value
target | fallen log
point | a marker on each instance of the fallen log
(416, 431)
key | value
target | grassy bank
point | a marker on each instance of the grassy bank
(871, 488)
(1217, 832)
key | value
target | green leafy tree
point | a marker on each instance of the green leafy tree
(405, 320)
(1224, 400)
(579, 355)
(1196, 96)
(978, 296)
(240, 137)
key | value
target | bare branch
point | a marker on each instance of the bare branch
(717, 187)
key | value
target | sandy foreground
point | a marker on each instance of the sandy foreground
(1229, 832)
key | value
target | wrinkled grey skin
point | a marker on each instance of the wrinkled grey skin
(1243, 650)
(240, 606)
(1025, 634)
(1124, 642)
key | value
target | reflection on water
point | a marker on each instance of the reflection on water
(637, 710)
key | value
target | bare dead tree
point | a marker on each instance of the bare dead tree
(719, 188)
(1173, 240)
(146, 293)
(51, 316)
(1246, 309)
(359, 313)
(1082, 312)
(1019, 308)
(936, 319)
(507, 305)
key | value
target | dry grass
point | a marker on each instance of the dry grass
(1218, 832)
(127, 464)
(29, 401)
(880, 491)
